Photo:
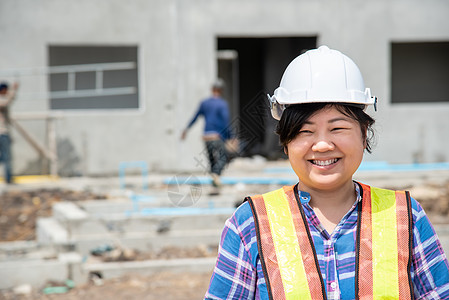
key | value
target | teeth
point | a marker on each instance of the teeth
(324, 162)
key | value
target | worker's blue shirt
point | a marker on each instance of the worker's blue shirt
(216, 114)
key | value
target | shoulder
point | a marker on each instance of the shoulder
(209, 102)
(241, 223)
(421, 221)
(223, 102)
(218, 101)
(417, 211)
(417, 208)
(239, 230)
(243, 217)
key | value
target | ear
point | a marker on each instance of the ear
(365, 138)
(286, 150)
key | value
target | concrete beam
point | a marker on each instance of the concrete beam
(149, 242)
(49, 231)
(37, 272)
(60, 230)
(149, 267)
(68, 211)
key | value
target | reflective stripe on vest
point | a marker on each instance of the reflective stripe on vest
(286, 247)
(384, 239)
(289, 262)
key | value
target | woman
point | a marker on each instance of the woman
(328, 237)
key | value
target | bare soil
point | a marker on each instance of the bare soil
(167, 286)
(19, 210)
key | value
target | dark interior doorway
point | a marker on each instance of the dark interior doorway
(252, 68)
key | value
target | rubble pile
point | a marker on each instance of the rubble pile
(20, 208)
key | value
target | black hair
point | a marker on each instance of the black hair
(294, 117)
(3, 85)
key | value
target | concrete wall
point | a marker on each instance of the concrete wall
(177, 63)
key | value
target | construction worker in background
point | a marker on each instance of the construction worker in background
(328, 236)
(7, 96)
(215, 111)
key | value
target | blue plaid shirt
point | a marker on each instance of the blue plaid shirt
(238, 272)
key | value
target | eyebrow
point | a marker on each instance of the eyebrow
(338, 119)
(331, 120)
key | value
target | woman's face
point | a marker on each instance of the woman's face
(327, 151)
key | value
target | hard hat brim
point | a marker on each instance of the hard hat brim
(277, 108)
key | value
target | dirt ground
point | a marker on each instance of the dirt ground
(20, 209)
(167, 286)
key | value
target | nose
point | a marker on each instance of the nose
(323, 145)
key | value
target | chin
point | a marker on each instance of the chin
(330, 184)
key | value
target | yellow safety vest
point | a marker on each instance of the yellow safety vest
(383, 245)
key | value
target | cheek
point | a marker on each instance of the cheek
(356, 146)
(296, 148)
(351, 144)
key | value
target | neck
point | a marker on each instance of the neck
(331, 205)
(331, 198)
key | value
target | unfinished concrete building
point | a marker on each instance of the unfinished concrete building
(143, 66)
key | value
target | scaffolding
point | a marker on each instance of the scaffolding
(48, 149)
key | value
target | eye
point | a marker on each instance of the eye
(339, 128)
(305, 131)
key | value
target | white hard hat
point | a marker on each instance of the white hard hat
(218, 84)
(320, 75)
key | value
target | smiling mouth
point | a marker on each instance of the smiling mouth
(324, 163)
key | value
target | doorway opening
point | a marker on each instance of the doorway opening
(252, 67)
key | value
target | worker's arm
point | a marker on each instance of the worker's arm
(10, 96)
(227, 134)
(238, 271)
(430, 267)
(198, 113)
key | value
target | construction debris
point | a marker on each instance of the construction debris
(108, 253)
(19, 210)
